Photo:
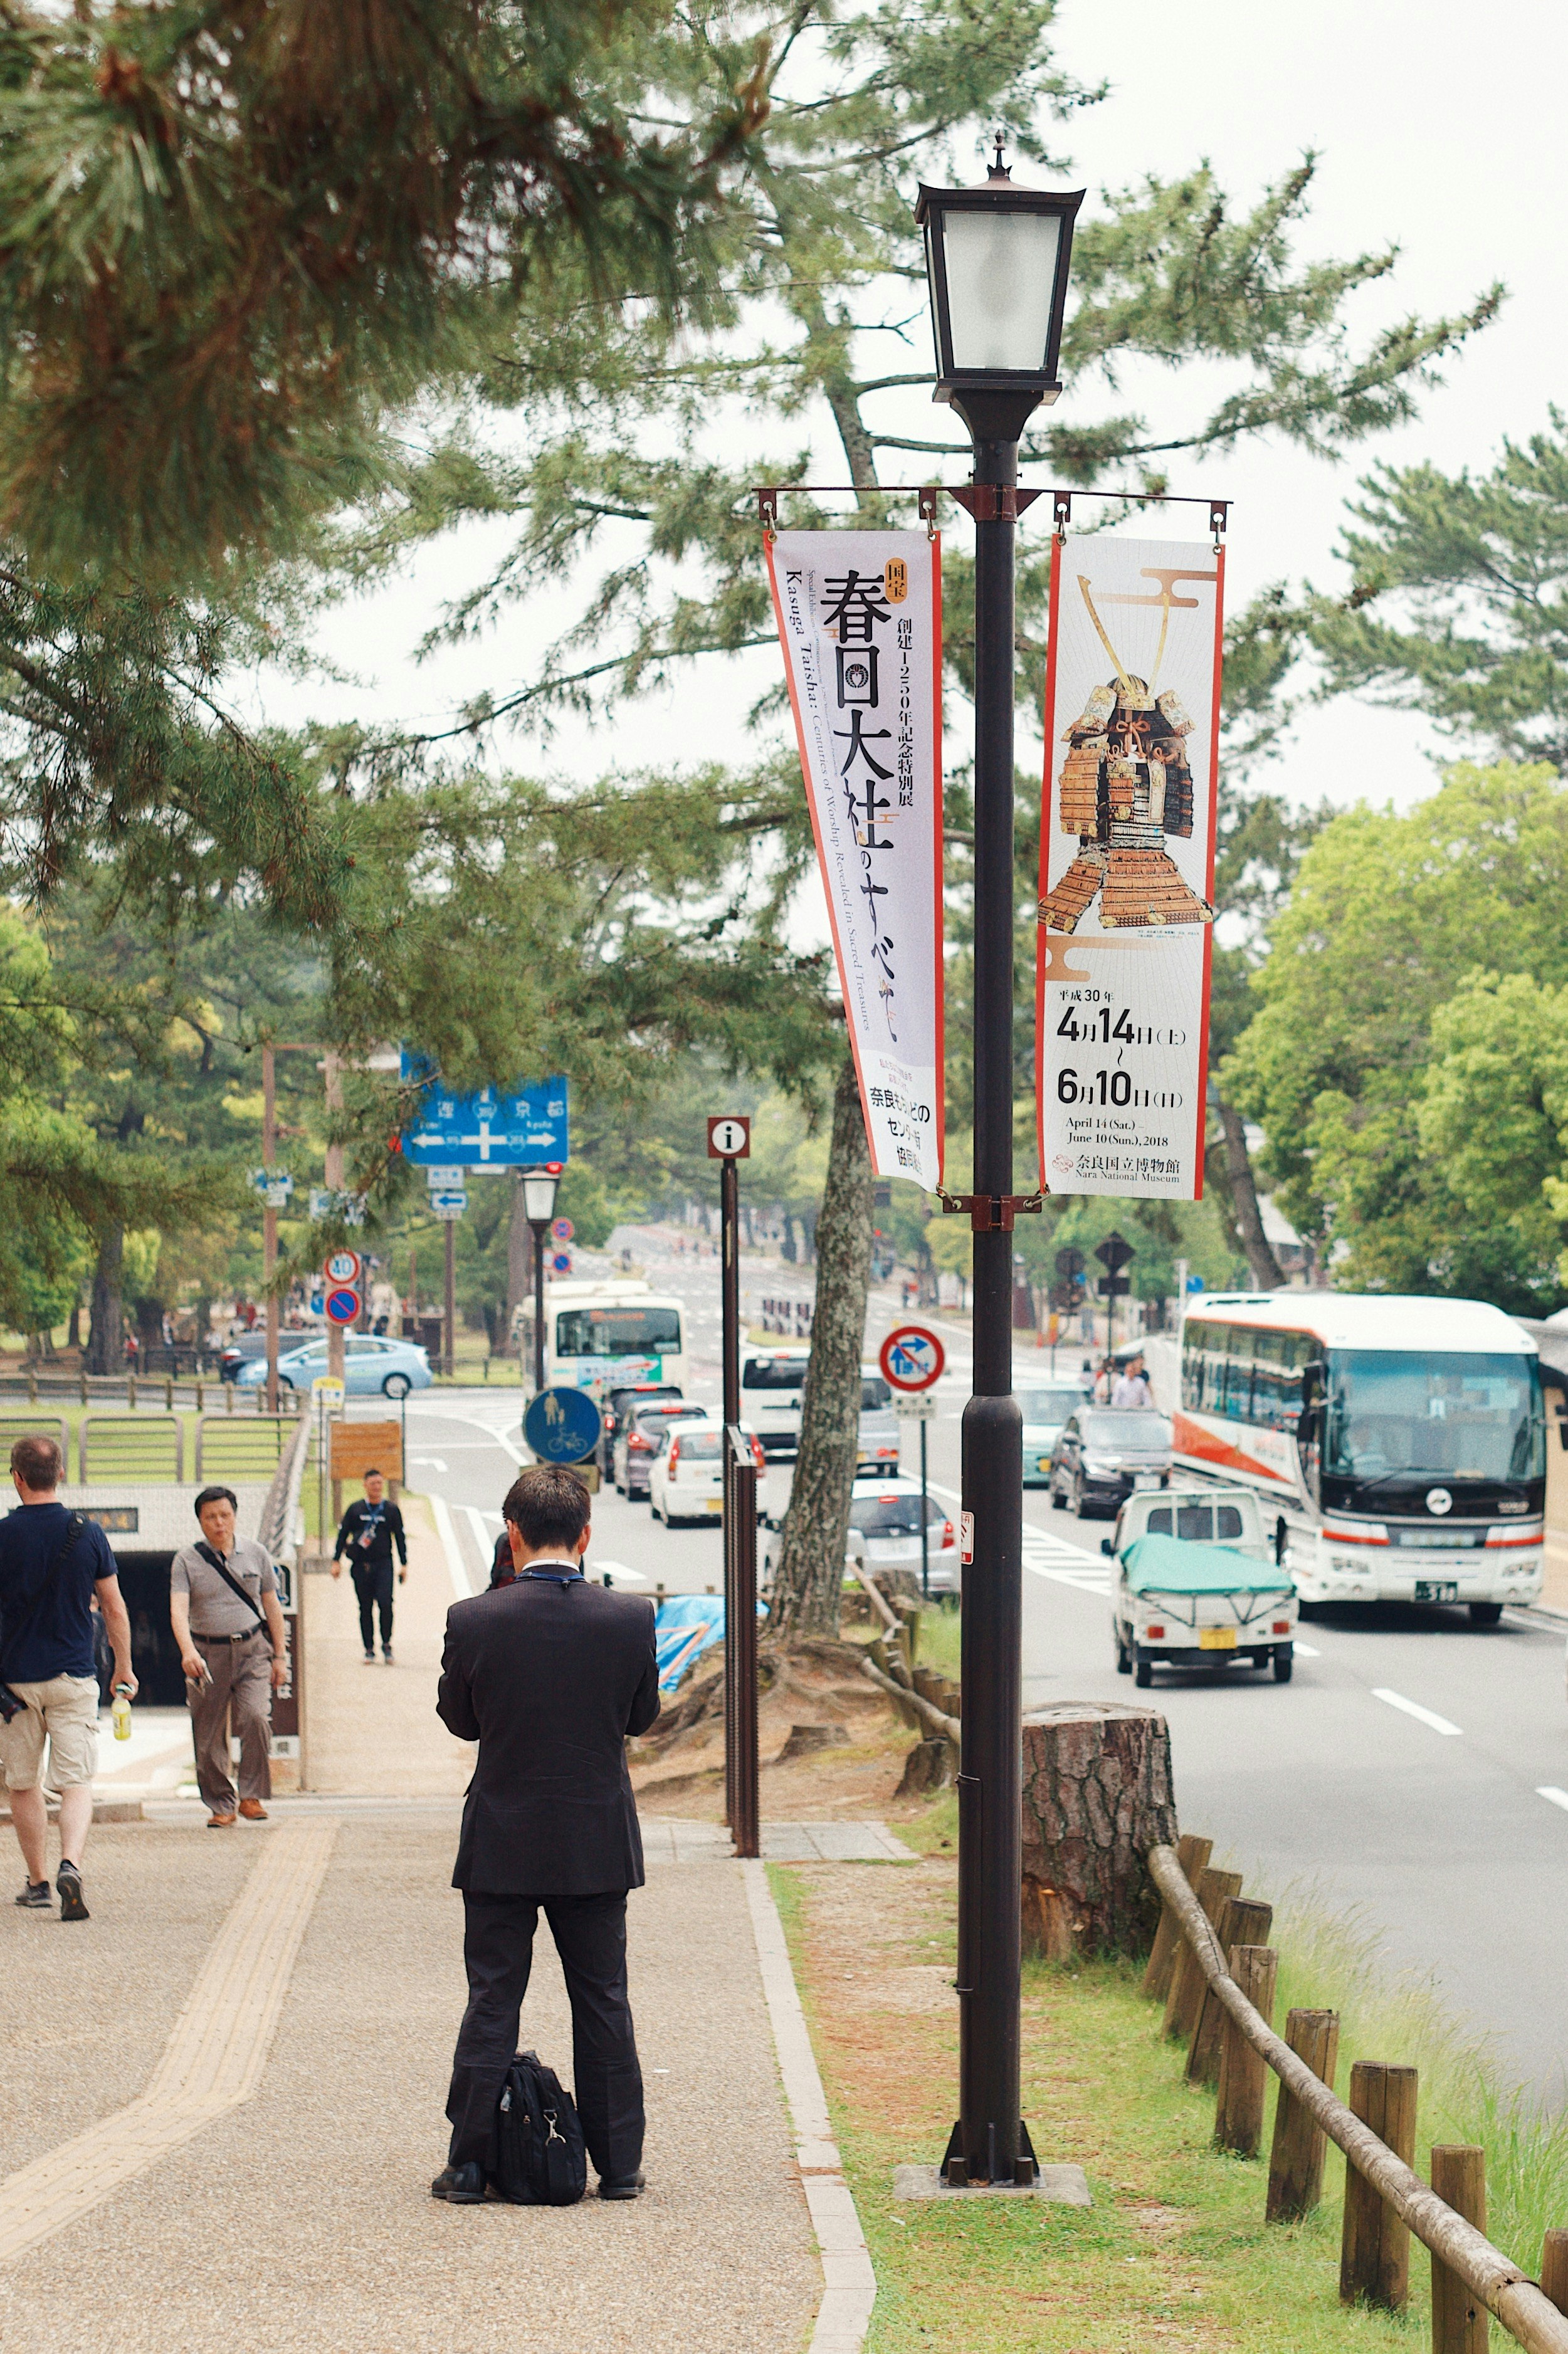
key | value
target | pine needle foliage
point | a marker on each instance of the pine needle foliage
(235, 229)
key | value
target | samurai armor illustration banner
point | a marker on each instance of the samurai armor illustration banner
(860, 617)
(1127, 867)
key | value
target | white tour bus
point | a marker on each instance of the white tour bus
(1403, 1438)
(602, 1334)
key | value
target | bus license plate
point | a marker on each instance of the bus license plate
(1145, 1479)
(1216, 1638)
(1436, 1589)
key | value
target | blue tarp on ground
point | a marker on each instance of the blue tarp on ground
(685, 1627)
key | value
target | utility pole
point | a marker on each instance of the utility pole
(448, 1322)
(269, 1216)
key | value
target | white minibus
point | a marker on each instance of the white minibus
(599, 1335)
(1403, 1438)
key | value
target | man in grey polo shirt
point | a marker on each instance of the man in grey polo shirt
(234, 1651)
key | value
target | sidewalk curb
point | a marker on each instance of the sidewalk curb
(849, 2283)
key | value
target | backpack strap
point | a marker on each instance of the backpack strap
(67, 1546)
(215, 1560)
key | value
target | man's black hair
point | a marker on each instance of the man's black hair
(215, 1496)
(548, 1505)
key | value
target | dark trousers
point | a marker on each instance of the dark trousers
(373, 1583)
(498, 1953)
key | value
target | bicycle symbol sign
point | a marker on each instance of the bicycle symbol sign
(912, 1357)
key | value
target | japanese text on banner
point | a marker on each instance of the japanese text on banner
(1127, 867)
(860, 619)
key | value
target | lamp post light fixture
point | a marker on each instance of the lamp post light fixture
(539, 1208)
(998, 260)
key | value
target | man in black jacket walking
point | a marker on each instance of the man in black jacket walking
(549, 1675)
(370, 1529)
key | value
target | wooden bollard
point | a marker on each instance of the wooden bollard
(1244, 1921)
(1296, 2162)
(1192, 1854)
(1554, 2269)
(1238, 2110)
(1187, 1979)
(1458, 2318)
(1374, 2252)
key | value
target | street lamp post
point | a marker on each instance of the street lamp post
(539, 1207)
(996, 258)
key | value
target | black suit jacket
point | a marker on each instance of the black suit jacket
(549, 1678)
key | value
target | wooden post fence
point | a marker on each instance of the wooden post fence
(1244, 2072)
(1374, 2248)
(1530, 2315)
(1193, 1855)
(1460, 2324)
(1186, 1995)
(1242, 1922)
(1296, 2162)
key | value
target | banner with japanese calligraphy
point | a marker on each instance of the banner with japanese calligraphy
(1127, 867)
(860, 618)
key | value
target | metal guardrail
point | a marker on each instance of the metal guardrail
(38, 1426)
(138, 1446)
(283, 1495)
(241, 1447)
(1517, 2301)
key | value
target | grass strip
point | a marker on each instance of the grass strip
(1174, 2252)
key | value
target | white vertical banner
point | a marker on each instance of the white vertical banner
(860, 619)
(1127, 867)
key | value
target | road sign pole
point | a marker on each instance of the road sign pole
(727, 1140)
(924, 1537)
(449, 1337)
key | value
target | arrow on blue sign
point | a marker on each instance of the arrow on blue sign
(498, 1127)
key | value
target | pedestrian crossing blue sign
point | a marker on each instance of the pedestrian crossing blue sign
(562, 1425)
(498, 1127)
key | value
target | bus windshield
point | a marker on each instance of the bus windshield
(619, 1331)
(1443, 1414)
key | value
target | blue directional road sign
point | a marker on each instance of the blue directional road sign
(562, 1425)
(500, 1128)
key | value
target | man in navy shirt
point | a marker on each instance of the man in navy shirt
(47, 1660)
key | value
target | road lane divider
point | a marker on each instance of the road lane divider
(448, 1534)
(1426, 1716)
(1555, 1796)
(214, 2057)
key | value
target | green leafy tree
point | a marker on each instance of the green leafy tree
(1389, 914)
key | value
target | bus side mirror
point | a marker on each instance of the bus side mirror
(1280, 1536)
(1106, 1545)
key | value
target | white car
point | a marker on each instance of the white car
(885, 1533)
(686, 1480)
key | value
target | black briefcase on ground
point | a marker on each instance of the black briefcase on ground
(541, 2157)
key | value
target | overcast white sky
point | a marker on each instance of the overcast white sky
(1438, 128)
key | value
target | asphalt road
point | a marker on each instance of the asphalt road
(1399, 1773)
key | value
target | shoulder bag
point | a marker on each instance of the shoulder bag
(215, 1560)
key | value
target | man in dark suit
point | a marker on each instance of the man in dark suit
(548, 1674)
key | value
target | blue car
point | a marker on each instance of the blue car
(370, 1366)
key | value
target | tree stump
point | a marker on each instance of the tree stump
(1097, 1797)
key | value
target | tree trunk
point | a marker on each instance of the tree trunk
(106, 1341)
(807, 1593)
(1096, 1797)
(1265, 1268)
(73, 1335)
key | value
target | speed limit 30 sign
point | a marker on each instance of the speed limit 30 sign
(730, 1138)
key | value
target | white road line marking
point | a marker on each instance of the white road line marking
(451, 1547)
(431, 1462)
(1557, 1798)
(482, 1539)
(1413, 1708)
(616, 1569)
(1306, 1651)
(214, 2057)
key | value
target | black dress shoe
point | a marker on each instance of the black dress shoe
(631, 2187)
(462, 2186)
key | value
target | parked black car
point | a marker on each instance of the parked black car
(1105, 1451)
(645, 1430)
(617, 1406)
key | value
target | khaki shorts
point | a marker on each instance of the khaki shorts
(65, 1709)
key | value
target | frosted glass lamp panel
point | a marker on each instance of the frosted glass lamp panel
(1001, 279)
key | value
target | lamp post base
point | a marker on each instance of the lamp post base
(955, 2173)
(1057, 2186)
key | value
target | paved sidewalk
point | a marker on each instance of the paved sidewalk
(222, 2106)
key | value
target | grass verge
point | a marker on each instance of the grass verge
(1174, 2252)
